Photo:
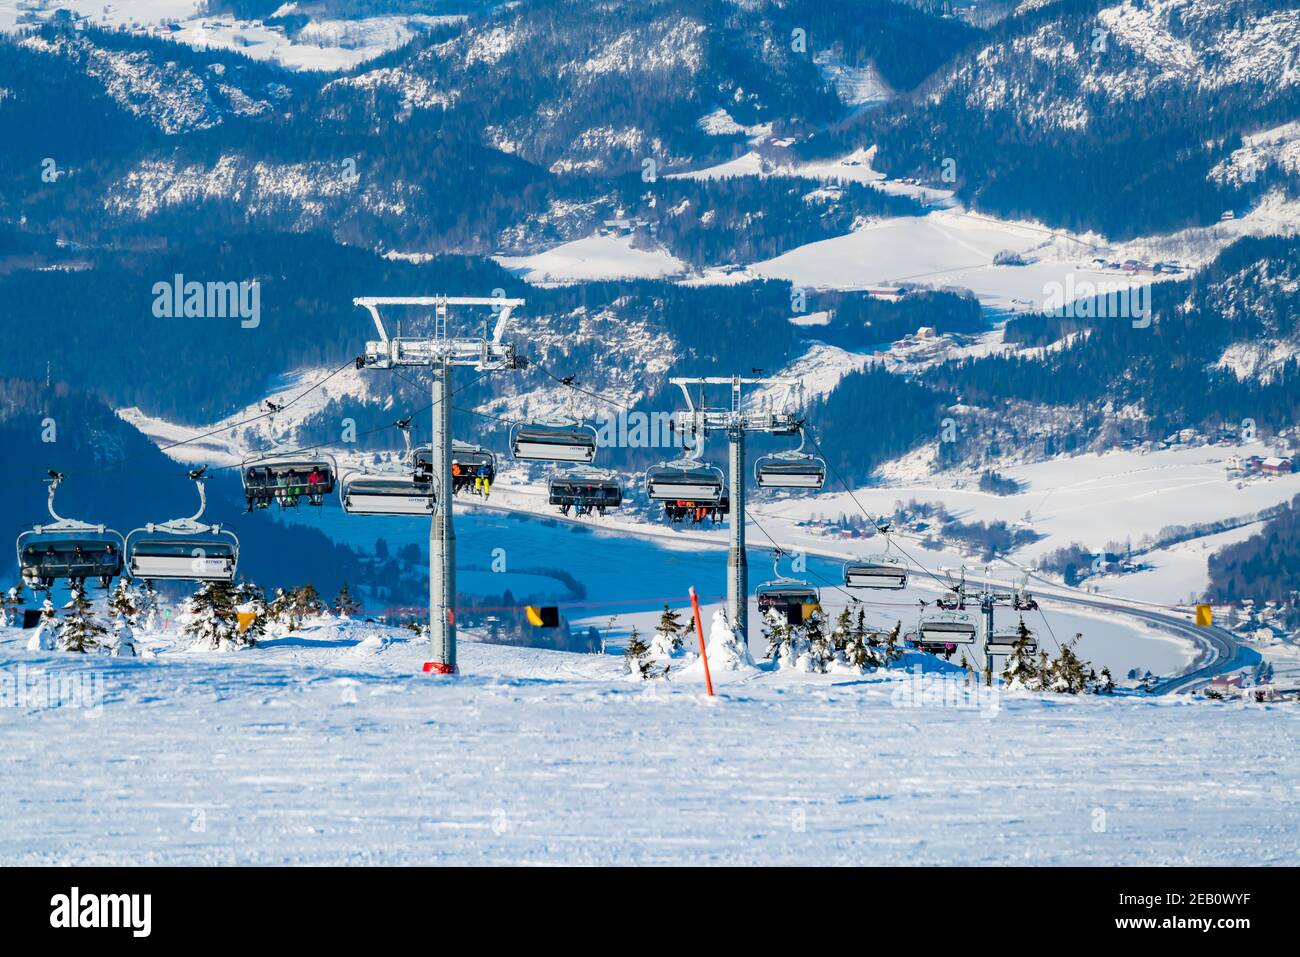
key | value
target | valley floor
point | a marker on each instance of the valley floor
(327, 746)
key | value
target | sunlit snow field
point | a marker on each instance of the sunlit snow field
(327, 747)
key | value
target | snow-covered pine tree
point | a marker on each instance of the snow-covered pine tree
(1106, 683)
(781, 639)
(345, 606)
(210, 618)
(667, 639)
(859, 651)
(13, 603)
(122, 642)
(1068, 673)
(891, 649)
(46, 635)
(249, 599)
(308, 603)
(635, 656)
(1021, 672)
(147, 607)
(80, 631)
(123, 604)
(282, 611)
(841, 634)
(820, 652)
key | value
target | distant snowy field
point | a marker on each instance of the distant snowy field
(327, 747)
(324, 45)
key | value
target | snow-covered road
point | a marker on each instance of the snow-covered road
(326, 747)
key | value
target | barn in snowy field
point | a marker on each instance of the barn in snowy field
(1277, 466)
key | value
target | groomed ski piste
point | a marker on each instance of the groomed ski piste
(326, 746)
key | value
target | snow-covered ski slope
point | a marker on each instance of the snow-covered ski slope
(328, 747)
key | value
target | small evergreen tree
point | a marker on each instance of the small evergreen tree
(249, 599)
(147, 607)
(782, 642)
(1021, 672)
(283, 610)
(13, 603)
(635, 656)
(860, 648)
(46, 635)
(80, 631)
(307, 602)
(670, 632)
(1068, 673)
(890, 649)
(123, 604)
(210, 618)
(345, 606)
(1106, 685)
(820, 650)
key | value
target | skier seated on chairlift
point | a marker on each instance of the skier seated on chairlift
(483, 480)
(315, 483)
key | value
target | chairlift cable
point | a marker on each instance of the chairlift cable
(875, 522)
(749, 517)
(351, 363)
(568, 381)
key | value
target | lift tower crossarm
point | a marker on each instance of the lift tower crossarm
(441, 352)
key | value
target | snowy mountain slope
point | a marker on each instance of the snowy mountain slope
(1112, 116)
(324, 748)
(174, 98)
(598, 95)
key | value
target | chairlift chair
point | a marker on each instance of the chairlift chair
(876, 571)
(685, 480)
(553, 442)
(945, 631)
(386, 493)
(471, 466)
(68, 549)
(409, 490)
(782, 594)
(1001, 642)
(184, 549)
(792, 469)
(585, 490)
(288, 477)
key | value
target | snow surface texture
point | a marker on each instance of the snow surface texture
(327, 746)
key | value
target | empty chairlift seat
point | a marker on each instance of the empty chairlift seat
(554, 443)
(876, 571)
(180, 559)
(945, 631)
(398, 493)
(790, 470)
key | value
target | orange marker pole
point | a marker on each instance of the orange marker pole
(699, 630)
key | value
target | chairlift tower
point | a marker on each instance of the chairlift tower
(441, 352)
(736, 422)
(988, 600)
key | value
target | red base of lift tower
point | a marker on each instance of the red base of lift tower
(439, 668)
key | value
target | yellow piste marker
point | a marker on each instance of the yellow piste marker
(544, 616)
(1204, 616)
